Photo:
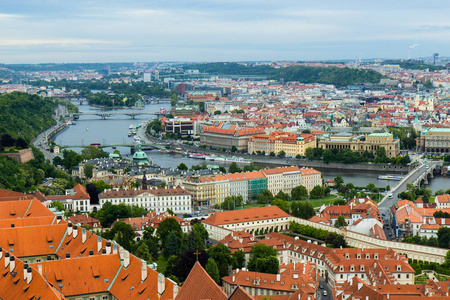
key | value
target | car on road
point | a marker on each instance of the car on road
(325, 293)
(321, 287)
(391, 196)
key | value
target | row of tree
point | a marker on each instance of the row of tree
(347, 156)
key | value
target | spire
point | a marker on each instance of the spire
(144, 181)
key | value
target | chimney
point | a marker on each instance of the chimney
(58, 219)
(25, 267)
(99, 244)
(6, 259)
(12, 263)
(278, 277)
(108, 247)
(233, 278)
(175, 291)
(294, 265)
(40, 269)
(83, 235)
(115, 250)
(69, 228)
(126, 259)
(29, 275)
(143, 271)
(161, 284)
(75, 231)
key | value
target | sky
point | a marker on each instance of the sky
(60, 31)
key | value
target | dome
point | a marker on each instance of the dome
(140, 157)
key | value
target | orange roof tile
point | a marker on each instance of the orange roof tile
(246, 215)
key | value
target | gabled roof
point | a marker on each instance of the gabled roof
(240, 294)
(246, 215)
(23, 209)
(200, 286)
(25, 222)
(6, 195)
(14, 287)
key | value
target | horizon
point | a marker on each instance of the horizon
(217, 30)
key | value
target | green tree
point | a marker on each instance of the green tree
(238, 259)
(231, 202)
(233, 148)
(317, 192)
(222, 256)
(272, 153)
(173, 100)
(338, 181)
(281, 154)
(143, 252)
(217, 112)
(263, 259)
(92, 152)
(284, 205)
(171, 247)
(306, 210)
(340, 222)
(283, 196)
(123, 234)
(166, 227)
(299, 193)
(233, 168)
(444, 237)
(213, 271)
(58, 205)
(182, 166)
(265, 197)
(88, 170)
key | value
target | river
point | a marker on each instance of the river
(114, 130)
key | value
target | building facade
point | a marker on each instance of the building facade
(221, 135)
(292, 144)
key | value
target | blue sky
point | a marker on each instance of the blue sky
(214, 30)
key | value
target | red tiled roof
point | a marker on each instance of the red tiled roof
(246, 215)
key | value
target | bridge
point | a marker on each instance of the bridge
(143, 146)
(105, 115)
(418, 176)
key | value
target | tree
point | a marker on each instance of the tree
(143, 252)
(171, 247)
(338, 181)
(58, 205)
(182, 167)
(166, 227)
(284, 205)
(200, 231)
(283, 196)
(263, 259)
(173, 100)
(212, 270)
(306, 131)
(272, 153)
(265, 197)
(217, 112)
(92, 152)
(123, 234)
(299, 193)
(340, 222)
(222, 256)
(281, 154)
(7, 141)
(317, 192)
(233, 148)
(444, 237)
(231, 202)
(233, 168)
(238, 259)
(88, 169)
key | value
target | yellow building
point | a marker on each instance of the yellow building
(291, 143)
(361, 143)
(434, 140)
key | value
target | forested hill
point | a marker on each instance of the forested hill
(23, 115)
(304, 74)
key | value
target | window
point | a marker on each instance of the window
(398, 276)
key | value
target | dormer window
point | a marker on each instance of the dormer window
(358, 256)
(399, 268)
(352, 268)
(347, 256)
(375, 256)
(367, 256)
(341, 268)
(361, 268)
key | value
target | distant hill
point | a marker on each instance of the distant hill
(414, 65)
(304, 74)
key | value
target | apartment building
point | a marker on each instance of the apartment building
(156, 199)
(292, 144)
(223, 135)
(434, 140)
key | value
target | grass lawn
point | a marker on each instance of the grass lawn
(421, 279)
(162, 263)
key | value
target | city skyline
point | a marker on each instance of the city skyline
(113, 31)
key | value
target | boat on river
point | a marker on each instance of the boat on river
(391, 177)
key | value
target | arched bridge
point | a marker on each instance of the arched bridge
(429, 172)
(105, 115)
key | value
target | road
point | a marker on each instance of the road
(385, 204)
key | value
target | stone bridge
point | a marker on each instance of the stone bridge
(428, 174)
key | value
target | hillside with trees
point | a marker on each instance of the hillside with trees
(25, 116)
(304, 74)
